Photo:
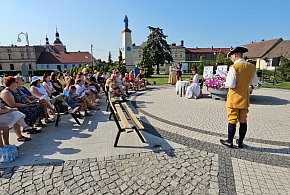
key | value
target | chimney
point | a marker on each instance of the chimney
(211, 47)
(182, 43)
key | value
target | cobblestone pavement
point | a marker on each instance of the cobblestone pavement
(203, 167)
(181, 171)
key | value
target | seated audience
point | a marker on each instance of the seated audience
(74, 101)
(41, 94)
(48, 86)
(56, 83)
(14, 98)
(141, 78)
(13, 118)
(27, 93)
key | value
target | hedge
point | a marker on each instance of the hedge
(15, 72)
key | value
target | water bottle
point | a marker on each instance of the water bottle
(11, 153)
(1, 155)
(5, 154)
(15, 151)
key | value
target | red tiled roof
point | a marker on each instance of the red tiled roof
(208, 50)
(282, 49)
(260, 49)
(64, 58)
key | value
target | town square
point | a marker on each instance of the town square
(137, 105)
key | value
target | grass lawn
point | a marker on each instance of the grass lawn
(280, 85)
(163, 79)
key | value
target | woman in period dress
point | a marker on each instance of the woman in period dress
(193, 90)
(172, 75)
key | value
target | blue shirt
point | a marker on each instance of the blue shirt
(136, 70)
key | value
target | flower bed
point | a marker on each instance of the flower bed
(216, 87)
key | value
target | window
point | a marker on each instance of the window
(1, 67)
(9, 56)
(28, 55)
(47, 66)
(175, 55)
(29, 66)
(180, 55)
(22, 56)
(9, 50)
(73, 65)
(11, 66)
(42, 66)
(65, 66)
(140, 55)
(80, 65)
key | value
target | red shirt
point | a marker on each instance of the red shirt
(126, 78)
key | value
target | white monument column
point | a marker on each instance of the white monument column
(127, 49)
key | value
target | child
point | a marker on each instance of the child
(73, 102)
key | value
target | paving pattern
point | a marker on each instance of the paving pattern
(202, 167)
(191, 171)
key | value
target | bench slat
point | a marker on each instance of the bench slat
(122, 117)
(133, 116)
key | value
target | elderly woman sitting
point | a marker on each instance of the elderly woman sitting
(14, 98)
(27, 93)
(40, 93)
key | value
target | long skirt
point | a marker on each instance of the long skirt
(9, 119)
(193, 89)
(32, 114)
(172, 78)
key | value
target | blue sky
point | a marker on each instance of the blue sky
(202, 23)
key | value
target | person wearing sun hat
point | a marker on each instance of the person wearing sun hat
(238, 80)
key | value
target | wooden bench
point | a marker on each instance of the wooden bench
(72, 111)
(125, 119)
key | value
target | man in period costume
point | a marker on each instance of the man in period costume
(239, 79)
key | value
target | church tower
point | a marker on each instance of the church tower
(127, 49)
(57, 41)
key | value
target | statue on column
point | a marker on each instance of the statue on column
(126, 21)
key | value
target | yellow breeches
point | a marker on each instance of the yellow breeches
(235, 115)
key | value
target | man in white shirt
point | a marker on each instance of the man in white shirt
(240, 76)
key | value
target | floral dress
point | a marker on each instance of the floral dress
(32, 113)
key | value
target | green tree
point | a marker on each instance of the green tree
(147, 63)
(159, 50)
(110, 61)
(284, 69)
(220, 58)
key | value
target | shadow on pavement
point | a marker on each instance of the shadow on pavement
(267, 100)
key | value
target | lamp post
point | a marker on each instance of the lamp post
(27, 41)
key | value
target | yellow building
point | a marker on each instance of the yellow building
(178, 52)
(12, 57)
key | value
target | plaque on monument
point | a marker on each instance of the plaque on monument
(25, 72)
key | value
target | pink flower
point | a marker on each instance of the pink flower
(215, 82)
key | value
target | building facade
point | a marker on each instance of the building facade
(42, 57)
(178, 52)
(12, 57)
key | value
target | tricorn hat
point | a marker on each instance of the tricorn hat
(239, 49)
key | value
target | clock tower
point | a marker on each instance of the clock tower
(127, 49)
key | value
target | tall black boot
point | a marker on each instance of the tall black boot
(231, 134)
(242, 134)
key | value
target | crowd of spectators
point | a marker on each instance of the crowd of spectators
(34, 107)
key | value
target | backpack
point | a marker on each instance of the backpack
(60, 108)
